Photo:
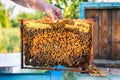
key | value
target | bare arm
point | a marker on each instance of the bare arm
(35, 4)
(52, 12)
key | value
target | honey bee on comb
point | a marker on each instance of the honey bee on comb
(67, 42)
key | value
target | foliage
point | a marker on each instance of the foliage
(23, 15)
(69, 7)
(10, 36)
(9, 40)
(4, 16)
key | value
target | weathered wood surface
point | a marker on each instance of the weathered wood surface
(107, 63)
(116, 34)
(106, 32)
(94, 14)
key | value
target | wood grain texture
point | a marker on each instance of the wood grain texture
(94, 14)
(106, 32)
(116, 34)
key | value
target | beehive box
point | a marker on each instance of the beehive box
(106, 18)
(45, 44)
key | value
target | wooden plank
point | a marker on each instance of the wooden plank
(99, 33)
(102, 31)
(105, 34)
(107, 63)
(92, 13)
(102, 35)
(116, 34)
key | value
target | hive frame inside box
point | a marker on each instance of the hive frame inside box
(23, 66)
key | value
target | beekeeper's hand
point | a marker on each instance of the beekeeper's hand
(52, 12)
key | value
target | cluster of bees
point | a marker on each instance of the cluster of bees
(66, 42)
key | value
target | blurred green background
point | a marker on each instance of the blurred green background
(9, 27)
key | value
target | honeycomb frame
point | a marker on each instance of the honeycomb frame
(60, 22)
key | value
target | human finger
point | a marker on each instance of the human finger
(53, 16)
(58, 13)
